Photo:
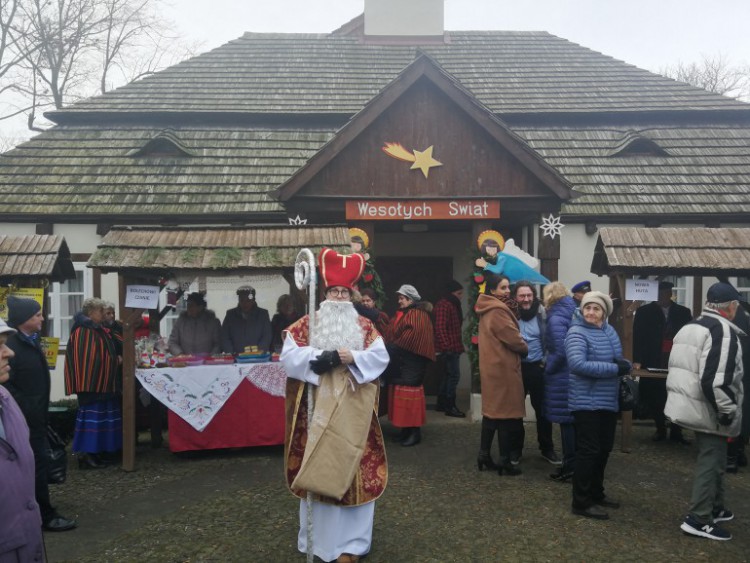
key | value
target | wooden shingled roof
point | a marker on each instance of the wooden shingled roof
(706, 169)
(35, 256)
(218, 249)
(508, 71)
(672, 251)
(87, 170)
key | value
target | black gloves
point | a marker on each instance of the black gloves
(623, 367)
(725, 419)
(325, 361)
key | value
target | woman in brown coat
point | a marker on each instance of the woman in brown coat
(501, 348)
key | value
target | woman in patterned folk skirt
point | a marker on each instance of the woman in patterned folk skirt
(90, 372)
(411, 344)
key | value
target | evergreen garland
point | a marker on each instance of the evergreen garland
(371, 280)
(471, 330)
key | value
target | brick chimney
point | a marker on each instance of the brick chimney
(402, 19)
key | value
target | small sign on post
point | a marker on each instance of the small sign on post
(142, 296)
(641, 290)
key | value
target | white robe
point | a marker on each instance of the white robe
(336, 529)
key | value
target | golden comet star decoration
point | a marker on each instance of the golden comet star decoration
(422, 159)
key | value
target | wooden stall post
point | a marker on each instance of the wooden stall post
(624, 323)
(129, 319)
(697, 295)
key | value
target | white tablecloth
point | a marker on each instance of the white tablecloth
(196, 394)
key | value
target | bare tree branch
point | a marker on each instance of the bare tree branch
(715, 74)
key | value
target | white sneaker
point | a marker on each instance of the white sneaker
(711, 531)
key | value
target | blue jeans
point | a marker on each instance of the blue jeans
(451, 377)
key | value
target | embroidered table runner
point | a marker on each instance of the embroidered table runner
(196, 394)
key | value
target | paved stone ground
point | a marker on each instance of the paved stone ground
(233, 506)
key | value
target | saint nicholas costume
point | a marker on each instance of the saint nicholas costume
(340, 458)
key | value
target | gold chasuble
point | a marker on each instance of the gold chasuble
(341, 459)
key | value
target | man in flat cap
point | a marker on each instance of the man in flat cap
(654, 327)
(29, 383)
(705, 394)
(579, 290)
(246, 324)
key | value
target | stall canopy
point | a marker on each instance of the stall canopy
(672, 251)
(35, 256)
(155, 250)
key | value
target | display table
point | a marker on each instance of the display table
(213, 407)
(627, 416)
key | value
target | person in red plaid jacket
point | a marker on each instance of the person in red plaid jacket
(448, 317)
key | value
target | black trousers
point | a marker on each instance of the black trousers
(533, 385)
(595, 436)
(38, 442)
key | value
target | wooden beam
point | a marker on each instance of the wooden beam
(697, 295)
(129, 317)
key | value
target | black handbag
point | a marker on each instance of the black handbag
(57, 458)
(627, 393)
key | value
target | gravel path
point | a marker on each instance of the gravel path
(234, 506)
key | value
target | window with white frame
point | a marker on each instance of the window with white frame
(743, 287)
(682, 290)
(65, 300)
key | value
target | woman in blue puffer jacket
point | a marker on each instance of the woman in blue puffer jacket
(560, 308)
(595, 360)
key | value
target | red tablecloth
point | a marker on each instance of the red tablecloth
(250, 417)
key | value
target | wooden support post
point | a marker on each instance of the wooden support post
(129, 319)
(549, 255)
(623, 320)
(697, 295)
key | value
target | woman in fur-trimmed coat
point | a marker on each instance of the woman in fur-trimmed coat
(501, 348)
(410, 341)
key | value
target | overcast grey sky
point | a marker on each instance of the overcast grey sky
(647, 33)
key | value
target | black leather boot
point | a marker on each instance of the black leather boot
(484, 459)
(415, 436)
(452, 410)
(507, 468)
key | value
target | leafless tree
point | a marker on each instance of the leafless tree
(715, 74)
(67, 49)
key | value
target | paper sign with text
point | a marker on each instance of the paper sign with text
(142, 296)
(641, 290)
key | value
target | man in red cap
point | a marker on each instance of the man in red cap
(340, 458)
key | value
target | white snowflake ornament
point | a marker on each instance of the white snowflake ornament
(297, 221)
(551, 226)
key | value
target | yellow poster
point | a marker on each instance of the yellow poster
(35, 293)
(50, 345)
(4, 291)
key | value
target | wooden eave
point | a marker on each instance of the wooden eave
(424, 67)
(159, 250)
(668, 251)
(35, 256)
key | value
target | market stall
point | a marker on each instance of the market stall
(153, 256)
(628, 252)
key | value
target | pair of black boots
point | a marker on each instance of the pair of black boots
(410, 436)
(448, 406)
(505, 442)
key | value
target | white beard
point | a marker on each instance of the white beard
(336, 327)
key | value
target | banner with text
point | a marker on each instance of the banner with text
(422, 210)
(142, 296)
(641, 290)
